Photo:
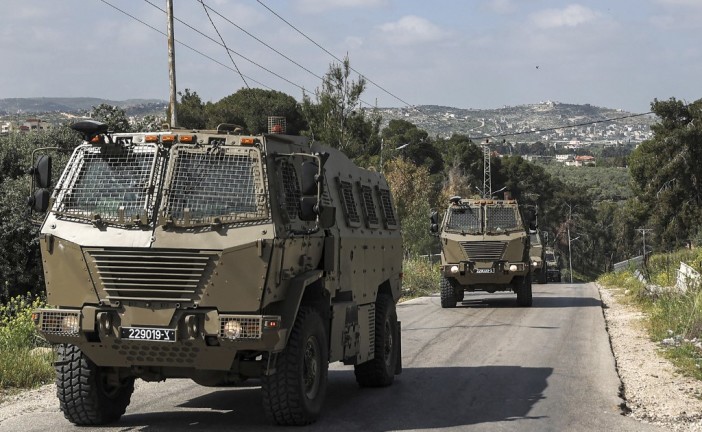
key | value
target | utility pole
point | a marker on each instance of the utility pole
(171, 64)
(643, 232)
(570, 259)
(487, 178)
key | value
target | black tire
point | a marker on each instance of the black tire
(524, 294)
(540, 277)
(381, 371)
(85, 395)
(448, 293)
(294, 393)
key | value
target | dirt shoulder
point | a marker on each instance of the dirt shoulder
(653, 391)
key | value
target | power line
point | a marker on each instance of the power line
(220, 44)
(335, 57)
(223, 43)
(560, 127)
(181, 43)
(263, 43)
(274, 49)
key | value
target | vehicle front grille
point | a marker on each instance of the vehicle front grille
(484, 250)
(149, 274)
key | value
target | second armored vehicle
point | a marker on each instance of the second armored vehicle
(484, 247)
(536, 255)
(553, 269)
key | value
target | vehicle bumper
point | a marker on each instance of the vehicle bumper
(203, 339)
(472, 273)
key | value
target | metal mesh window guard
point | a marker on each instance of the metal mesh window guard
(386, 204)
(501, 218)
(291, 190)
(369, 205)
(346, 192)
(114, 182)
(465, 219)
(215, 184)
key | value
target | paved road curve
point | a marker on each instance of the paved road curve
(486, 365)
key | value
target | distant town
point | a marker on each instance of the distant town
(566, 133)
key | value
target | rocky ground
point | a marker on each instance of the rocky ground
(654, 393)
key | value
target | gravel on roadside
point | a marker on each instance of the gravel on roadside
(653, 391)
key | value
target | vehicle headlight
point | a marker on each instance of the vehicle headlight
(70, 324)
(454, 269)
(534, 263)
(513, 268)
(232, 329)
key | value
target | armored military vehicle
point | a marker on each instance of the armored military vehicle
(218, 257)
(553, 268)
(536, 256)
(484, 247)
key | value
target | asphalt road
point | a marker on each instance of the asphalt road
(486, 365)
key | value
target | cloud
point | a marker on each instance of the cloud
(316, 6)
(501, 6)
(411, 29)
(688, 3)
(572, 16)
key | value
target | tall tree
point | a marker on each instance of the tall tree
(403, 138)
(336, 116)
(20, 264)
(115, 117)
(411, 189)
(191, 110)
(251, 109)
(667, 174)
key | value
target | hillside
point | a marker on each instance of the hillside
(521, 121)
(524, 123)
(25, 106)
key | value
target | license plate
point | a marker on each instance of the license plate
(148, 334)
(485, 270)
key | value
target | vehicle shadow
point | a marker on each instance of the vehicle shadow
(420, 398)
(538, 302)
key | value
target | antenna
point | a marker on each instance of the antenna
(487, 178)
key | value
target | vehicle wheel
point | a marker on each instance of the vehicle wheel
(448, 293)
(380, 372)
(543, 277)
(524, 295)
(293, 394)
(460, 293)
(87, 394)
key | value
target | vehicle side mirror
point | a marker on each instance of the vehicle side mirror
(308, 206)
(434, 223)
(39, 202)
(41, 171)
(310, 170)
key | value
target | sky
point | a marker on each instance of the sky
(460, 53)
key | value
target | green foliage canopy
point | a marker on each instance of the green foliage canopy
(667, 174)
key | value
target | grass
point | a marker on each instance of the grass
(22, 365)
(673, 317)
(420, 278)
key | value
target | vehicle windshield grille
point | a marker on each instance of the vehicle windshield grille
(467, 219)
(501, 219)
(208, 185)
(109, 183)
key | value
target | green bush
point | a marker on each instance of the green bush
(25, 360)
(420, 277)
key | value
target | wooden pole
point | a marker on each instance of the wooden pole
(171, 64)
